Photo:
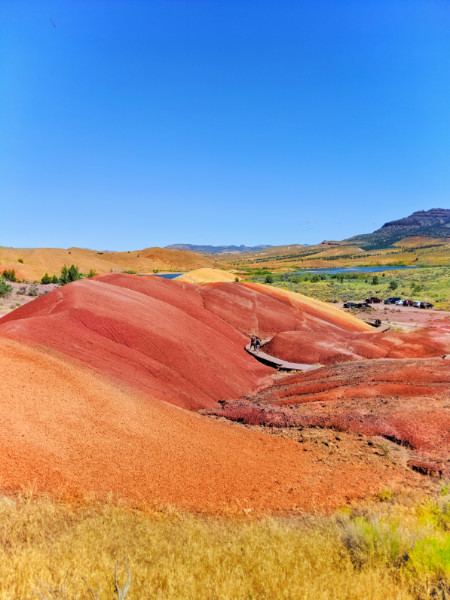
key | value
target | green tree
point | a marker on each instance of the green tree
(69, 274)
(64, 277)
(5, 288)
(393, 285)
(9, 275)
(269, 278)
(46, 279)
(375, 280)
(74, 273)
(55, 279)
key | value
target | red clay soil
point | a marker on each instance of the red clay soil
(340, 346)
(68, 431)
(147, 332)
(263, 310)
(182, 343)
(97, 372)
(405, 401)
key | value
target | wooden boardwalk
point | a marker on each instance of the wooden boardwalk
(278, 363)
(284, 365)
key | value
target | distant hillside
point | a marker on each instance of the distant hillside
(433, 223)
(217, 249)
(32, 263)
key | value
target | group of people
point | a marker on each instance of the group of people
(255, 343)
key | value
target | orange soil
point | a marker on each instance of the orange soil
(68, 431)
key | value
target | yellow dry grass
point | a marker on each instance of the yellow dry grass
(207, 276)
(416, 250)
(54, 550)
(37, 261)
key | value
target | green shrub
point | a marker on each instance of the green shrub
(9, 275)
(5, 288)
(20, 260)
(46, 279)
(33, 291)
(69, 274)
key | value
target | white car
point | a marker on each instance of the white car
(417, 304)
(399, 303)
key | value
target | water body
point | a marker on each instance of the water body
(352, 270)
(168, 275)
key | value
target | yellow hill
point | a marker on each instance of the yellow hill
(37, 261)
(207, 276)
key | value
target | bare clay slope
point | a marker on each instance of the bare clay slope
(71, 425)
(147, 332)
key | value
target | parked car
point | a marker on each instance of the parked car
(374, 300)
(363, 305)
(350, 305)
(421, 304)
(399, 302)
(392, 300)
(407, 302)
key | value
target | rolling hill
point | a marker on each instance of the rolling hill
(37, 261)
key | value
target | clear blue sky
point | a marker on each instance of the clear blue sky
(131, 123)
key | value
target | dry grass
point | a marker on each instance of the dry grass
(54, 550)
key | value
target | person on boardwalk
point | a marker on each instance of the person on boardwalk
(252, 342)
(257, 344)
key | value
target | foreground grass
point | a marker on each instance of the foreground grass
(54, 550)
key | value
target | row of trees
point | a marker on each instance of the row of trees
(67, 275)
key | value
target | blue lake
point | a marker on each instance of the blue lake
(168, 275)
(352, 270)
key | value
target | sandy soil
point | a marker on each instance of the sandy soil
(406, 318)
(20, 295)
(206, 276)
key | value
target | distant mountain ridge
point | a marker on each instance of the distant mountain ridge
(217, 249)
(434, 223)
